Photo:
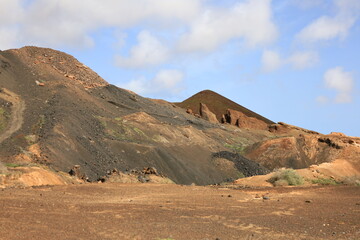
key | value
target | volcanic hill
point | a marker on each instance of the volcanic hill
(218, 105)
(56, 112)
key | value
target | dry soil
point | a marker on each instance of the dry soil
(153, 211)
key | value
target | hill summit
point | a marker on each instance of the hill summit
(217, 104)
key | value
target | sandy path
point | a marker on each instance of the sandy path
(16, 118)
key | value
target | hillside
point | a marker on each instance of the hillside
(57, 113)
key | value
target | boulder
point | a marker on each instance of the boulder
(206, 114)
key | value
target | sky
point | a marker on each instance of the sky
(294, 61)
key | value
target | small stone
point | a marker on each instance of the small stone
(308, 201)
(229, 195)
(266, 197)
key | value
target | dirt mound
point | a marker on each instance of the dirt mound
(339, 171)
(28, 176)
(218, 105)
(146, 175)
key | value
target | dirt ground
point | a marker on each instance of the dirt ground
(153, 211)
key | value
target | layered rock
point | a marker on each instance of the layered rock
(304, 149)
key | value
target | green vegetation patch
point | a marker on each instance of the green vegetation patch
(285, 177)
(240, 175)
(122, 130)
(238, 148)
(325, 181)
(13, 165)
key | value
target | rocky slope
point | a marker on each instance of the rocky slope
(59, 113)
(56, 112)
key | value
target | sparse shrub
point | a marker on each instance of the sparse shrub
(284, 177)
(353, 180)
(236, 147)
(13, 165)
(240, 175)
(325, 181)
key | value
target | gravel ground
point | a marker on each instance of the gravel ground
(152, 211)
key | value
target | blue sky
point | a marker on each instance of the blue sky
(295, 61)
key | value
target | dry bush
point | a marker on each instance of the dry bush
(284, 177)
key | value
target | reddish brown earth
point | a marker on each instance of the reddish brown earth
(218, 105)
(152, 211)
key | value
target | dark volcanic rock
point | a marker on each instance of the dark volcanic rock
(247, 167)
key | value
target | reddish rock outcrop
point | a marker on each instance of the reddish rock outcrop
(206, 114)
(282, 127)
(241, 120)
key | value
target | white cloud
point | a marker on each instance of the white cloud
(338, 26)
(7, 37)
(271, 61)
(341, 81)
(149, 51)
(203, 26)
(70, 23)
(302, 60)
(166, 82)
(249, 20)
(10, 11)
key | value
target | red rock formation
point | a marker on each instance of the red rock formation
(241, 120)
(206, 114)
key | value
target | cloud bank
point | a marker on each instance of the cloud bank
(332, 27)
(342, 82)
(271, 60)
(169, 81)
